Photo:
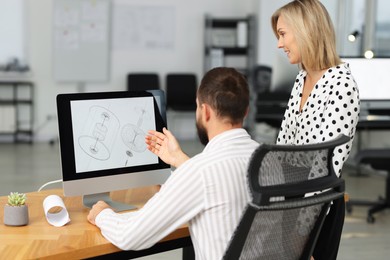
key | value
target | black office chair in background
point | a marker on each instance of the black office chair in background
(270, 104)
(181, 91)
(378, 159)
(284, 218)
(143, 81)
(262, 76)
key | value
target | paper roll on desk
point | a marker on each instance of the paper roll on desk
(55, 211)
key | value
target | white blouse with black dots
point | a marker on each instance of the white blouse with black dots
(331, 109)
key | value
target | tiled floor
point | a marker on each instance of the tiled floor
(26, 167)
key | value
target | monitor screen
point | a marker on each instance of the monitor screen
(374, 87)
(102, 142)
(371, 76)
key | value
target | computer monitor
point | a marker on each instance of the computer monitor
(102, 143)
(371, 76)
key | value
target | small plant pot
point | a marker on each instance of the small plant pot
(15, 215)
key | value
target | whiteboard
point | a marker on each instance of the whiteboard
(143, 27)
(81, 37)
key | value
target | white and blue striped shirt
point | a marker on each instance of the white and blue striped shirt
(209, 192)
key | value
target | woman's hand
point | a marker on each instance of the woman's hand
(165, 146)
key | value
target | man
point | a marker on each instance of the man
(208, 191)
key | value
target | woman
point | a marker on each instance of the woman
(324, 101)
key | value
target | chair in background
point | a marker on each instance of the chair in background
(270, 107)
(378, 159)
(286, 213)
(181, 91)
(143, 81)
(270, 104)
(262, 76)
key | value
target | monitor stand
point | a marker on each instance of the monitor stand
(90, 199)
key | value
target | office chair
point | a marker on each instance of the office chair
(270, 107)
(181, 102)
(270, 104)
(379, 160)
(262, 76)
(143, 81)
(181, 91)
(287, 210)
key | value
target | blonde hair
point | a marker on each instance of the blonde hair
(313, 31)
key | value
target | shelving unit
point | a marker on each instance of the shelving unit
(230, 42)
(16, 110)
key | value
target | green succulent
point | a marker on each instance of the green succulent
(16, 199)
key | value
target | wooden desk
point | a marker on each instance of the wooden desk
(78, 239)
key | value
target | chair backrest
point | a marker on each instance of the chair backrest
(291, 189)
(270, 107)
(262, 78)
(181, 91)
(270, 104)
(142, 81)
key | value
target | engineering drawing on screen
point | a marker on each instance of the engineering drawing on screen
(133, 136)
(112, 135)
(94, 144)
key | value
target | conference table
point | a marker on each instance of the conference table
(78, 239)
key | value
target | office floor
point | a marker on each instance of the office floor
(26, 167)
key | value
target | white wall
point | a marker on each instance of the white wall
(187, 54)
(266, 38)
(11, 30)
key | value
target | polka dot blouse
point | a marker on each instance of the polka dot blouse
(331, 109)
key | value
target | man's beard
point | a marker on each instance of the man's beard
(202, 134)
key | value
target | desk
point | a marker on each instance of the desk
(371, 122)
(374, 122)
(78, 239)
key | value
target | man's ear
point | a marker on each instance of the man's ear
(206, 110)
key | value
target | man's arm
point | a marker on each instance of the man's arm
(178, 201)
(96, 209)
(165, 146)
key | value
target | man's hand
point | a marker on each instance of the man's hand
(96, 209)
(165, 146)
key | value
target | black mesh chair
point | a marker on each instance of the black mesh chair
(142, 81)
(181, 91)
(286, 213)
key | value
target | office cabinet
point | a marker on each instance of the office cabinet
(230, 42)
(16, 110)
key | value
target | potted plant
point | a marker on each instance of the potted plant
(16, 210)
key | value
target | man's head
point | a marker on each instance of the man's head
(225, 92)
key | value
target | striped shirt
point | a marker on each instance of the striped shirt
(209, 192)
